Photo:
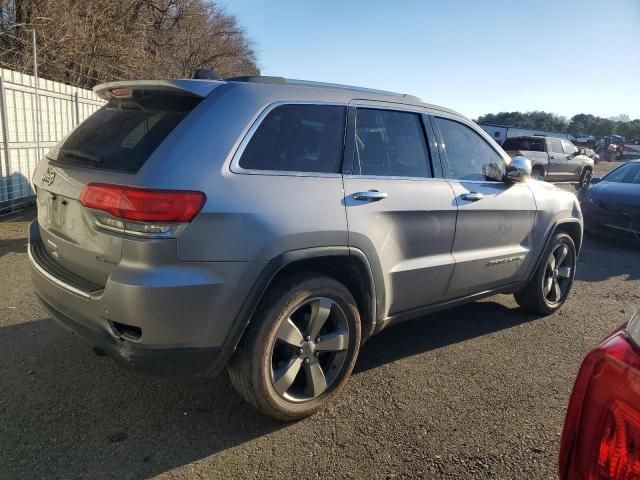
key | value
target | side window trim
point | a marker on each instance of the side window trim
(443, 152)
(247, 135)
(350, 147)
(442, 155)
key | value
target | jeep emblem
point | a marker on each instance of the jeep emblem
(49, 177)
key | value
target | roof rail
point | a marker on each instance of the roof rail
(309, 83)
(259, 79)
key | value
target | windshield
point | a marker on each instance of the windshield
(124, 133)
(628, 173)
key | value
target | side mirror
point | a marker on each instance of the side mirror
(519, 169)
(595, 180)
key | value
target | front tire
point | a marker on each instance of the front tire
(547, 291)
(300, 348)
(585, 180)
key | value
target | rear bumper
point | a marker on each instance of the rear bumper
(185, 311)
(155, 361)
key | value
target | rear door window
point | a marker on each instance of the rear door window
(525, 144)
(123, 134)
(298, 138)
(555, 145)
(390, 143)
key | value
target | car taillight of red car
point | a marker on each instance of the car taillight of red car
(601, 436)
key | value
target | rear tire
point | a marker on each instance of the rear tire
(299, 349)
(550, 285)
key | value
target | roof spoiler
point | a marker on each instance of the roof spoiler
(192, 88)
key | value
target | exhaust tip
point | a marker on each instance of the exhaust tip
(126, 332)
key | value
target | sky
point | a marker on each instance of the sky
(474, 56)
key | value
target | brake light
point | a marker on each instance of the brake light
(601, 436)
(121, 92)
(619, 455)
(143, 205)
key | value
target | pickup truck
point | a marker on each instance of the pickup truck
(553, 159)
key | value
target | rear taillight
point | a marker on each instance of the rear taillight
(139, 210)
(601, 437)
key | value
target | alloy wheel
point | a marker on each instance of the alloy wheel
(309, 350)
(558, 274)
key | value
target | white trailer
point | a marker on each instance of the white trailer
(501, 132)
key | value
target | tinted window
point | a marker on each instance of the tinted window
(390, 143)
(298, 138)
(124, 133)
(555, 145)
(629, 173)
(469, 156)
(526, 144)
(568, 147)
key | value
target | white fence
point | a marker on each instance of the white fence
(29, 128)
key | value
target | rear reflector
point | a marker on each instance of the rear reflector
(601, 437)
(143, 205)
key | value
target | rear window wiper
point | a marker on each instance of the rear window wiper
(80, 155)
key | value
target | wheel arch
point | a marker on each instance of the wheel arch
(572, 227)
(346, 265)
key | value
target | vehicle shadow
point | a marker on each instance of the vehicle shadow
(65, 413)
(438, 330)
(14, 245)
(13, 236)
(607, 258)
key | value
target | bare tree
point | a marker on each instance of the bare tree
(87, 42)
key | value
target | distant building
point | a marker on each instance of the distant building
(501, 132)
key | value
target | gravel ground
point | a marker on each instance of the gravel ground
(479, 391)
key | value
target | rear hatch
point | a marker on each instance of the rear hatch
(108, 147)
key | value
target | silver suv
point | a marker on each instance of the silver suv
(271, 226)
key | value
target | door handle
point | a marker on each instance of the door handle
(472, 196)
(370, 196)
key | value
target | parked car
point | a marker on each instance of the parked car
(611, 205)
(272, 225)
(553, 159)
(601, 435)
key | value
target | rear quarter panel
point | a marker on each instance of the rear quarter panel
(246, 217)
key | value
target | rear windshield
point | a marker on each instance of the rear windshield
(124, 133)
(526, 144)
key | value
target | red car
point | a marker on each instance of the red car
(601, 437)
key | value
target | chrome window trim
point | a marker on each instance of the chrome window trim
(235, 167)
(382, 105)
(390, 177)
